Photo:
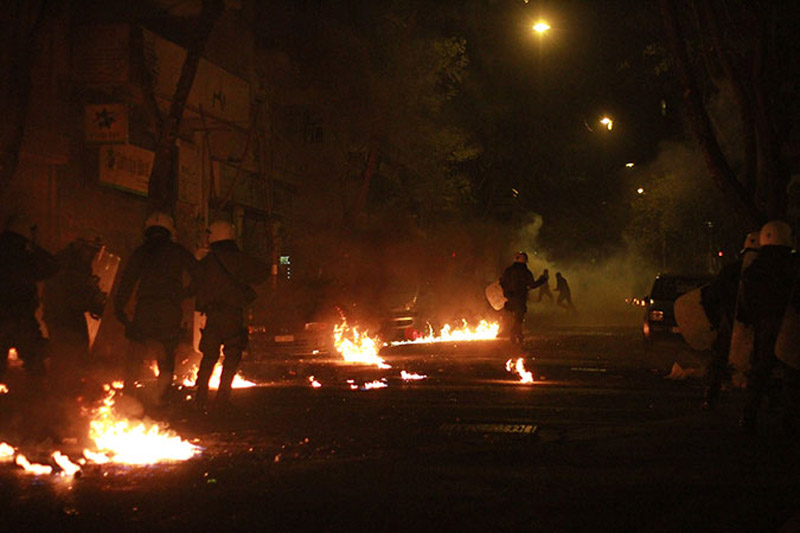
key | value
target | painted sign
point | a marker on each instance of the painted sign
(126, 167)
(106, 123)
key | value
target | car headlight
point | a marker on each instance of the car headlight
(656, 316)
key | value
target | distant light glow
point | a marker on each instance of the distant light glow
(640, 190)
(630, 165)
(541, 27)
(607, 122)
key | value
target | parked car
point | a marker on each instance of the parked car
(659, 315)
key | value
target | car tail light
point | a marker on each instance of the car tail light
(656, 316)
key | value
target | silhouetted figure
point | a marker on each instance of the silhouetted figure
(544, 288)
(564, 295)
(68, 295)
(766, 287)
(223, 292)
(516, 281)
(160, 273)
(22, 264)
(719, 302)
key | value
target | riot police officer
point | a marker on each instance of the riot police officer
(22, 264)
(160, 273)
(516, 281)
(224, 290)
(766, 286)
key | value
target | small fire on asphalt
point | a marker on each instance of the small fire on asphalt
(518, 367)
(357, 346)
(123, 441)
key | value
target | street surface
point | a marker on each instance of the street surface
(601, 441)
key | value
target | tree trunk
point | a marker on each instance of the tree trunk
(21, 28)
(721, 171)
(162, 187)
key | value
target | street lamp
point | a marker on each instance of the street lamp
(541, 27)
(607, 122)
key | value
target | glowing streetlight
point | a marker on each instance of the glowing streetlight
(629, 165)
(640, 190)
(607, 122)
(541, 27)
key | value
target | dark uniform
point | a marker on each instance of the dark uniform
(544, 289)
(160, 272)
(73, 291)
(719, 303)
(223, 293)
(564, 294)
(22, 265)
(766, 286)
(516, 281)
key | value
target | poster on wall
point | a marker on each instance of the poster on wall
(106, 123)
(126, 167)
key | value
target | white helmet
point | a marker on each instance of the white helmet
(776, 233)
(221, 230)
(751, 242)
(161, 220)
(21, 225)
(520, 257)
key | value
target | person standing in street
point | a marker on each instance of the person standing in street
(544, 288)
(719, 302)
(224, 280)
(564, 295)
(516, 281)
(766, 288)
(22, 265)
(160, 274)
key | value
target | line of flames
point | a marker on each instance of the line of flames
(376, 384)
(190, 377)
(485, 330)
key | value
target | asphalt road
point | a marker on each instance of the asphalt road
(601, 441)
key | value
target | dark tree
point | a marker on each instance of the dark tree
(750, 48)
(20, 26)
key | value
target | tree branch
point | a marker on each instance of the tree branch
(720, 170)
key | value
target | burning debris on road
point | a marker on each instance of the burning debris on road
(525, 376)
(356, 346)
(119, 440)
(483, 331)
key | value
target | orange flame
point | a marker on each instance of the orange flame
(33, 468)
(376, 384)
(357, 347)
(314, 383)
(3, 388)
(120, 440)
(408, 376)
(519, 368)
(483, 331)
(6, 452)
(69, 468)
(13, 358)
(213, 383)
